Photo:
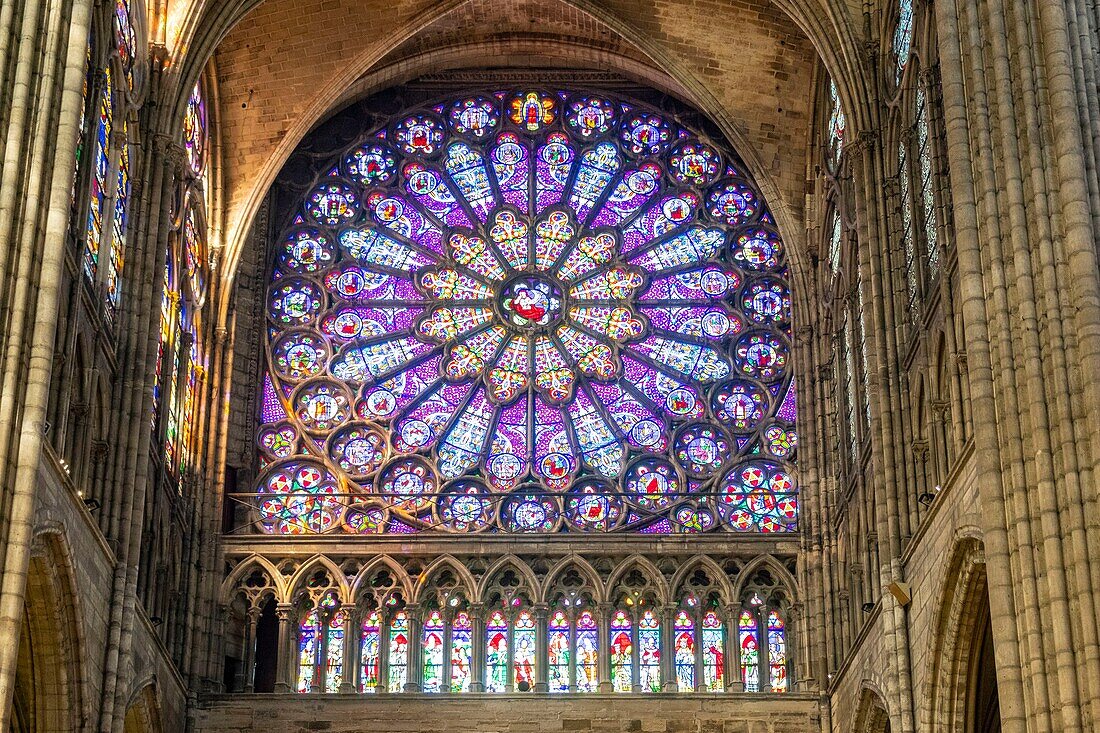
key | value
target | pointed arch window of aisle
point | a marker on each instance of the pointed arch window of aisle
(181, 353)
(529, 311)
(921, 185)
(105, 156)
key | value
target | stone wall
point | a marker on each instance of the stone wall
(518, 713)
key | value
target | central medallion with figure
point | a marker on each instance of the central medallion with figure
(531, 302)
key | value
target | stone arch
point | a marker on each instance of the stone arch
(702, 562)
(582, 566)
(963, 606)
(231, 586)
(362, 578)
(786, 581)
(466, 580)
(143, 714)
(50, 677)
(296, 584)
(828, 29)
(871, 714)
(647, 568)
(528, 581)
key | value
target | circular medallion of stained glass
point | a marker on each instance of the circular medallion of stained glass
(371, 165)
(767, 301)
(278, 441)
(652, 484)
(740, 404)
(733, 202)
(321, 405)
(592, 506)
(760, 496)
(562, 304)
(359, 449)
(306, 251)
(758, 249)
(531, 302)
(590, 117)
(409, 484)
(531, 512)
(762, 355)
(300, 354)
(295, 302)
(476, 117)
(296, 497)
(333, 202)
(701, 449)
(464, 506)
(695, 163)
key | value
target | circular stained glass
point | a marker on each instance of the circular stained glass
(295, 302)
(701, 449)
(333, 202)
(531, 513)
(475, 117)
(760, 496)
(695, 163)
(371, 165)
(300, 355)
(358, 449)
(278, 441)
(733, 202)
(652, 484)
(758, 249)
(465, 506)
(592, 506)
(306, 251)
(740, 404)
(296, 497)
(321, 405)
(551, 301)
(409, 484)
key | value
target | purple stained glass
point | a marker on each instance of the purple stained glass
(529, 312)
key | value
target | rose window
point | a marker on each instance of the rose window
(529, 312)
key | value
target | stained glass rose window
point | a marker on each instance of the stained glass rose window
(529, 311)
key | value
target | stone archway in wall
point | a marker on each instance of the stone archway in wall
(961, 692)
(872, 716)
(48, 679)
(143, 715)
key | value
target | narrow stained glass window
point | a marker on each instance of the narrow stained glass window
(749, 641)
(524, 659)
(714, 657)
(461, 652)
(622, 652)
(557, 648)
(838, 124)
(101, 165)
(496, 653)
(903, 35)
(118, 229)
(777, 652)
(370, 641)
(433, 651)
(649, 652)
(684, 651)
(334, 651)
(588, 635)
(309, 650)
(927, 195)
(399, 651)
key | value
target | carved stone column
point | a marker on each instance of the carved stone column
(542, 657)
(414, 664)
(735, 680)
(477, 647)
(249, 672)
(603, 649)
(283, 676)
(667, 614)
